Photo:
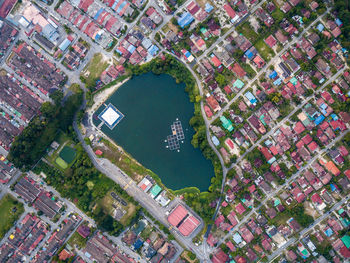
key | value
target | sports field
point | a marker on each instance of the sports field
(10, 211)
(61, 163)
(67, 154)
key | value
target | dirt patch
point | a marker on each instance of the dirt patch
(173, 27)
(309, 210)
(120, 158)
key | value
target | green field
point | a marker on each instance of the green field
(67, 154)
(247, 30)
(61, 163)
(10, 211)
(78, 240)
(94, 69)
(264, 50)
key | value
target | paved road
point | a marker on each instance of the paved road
(293, 240)
(215, 44)
(263, 71)
(278, 125)
(158, 212)
(279, 188)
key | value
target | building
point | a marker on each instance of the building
(183, 220)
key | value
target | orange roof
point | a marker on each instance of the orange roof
(331, 167)
(215, 61)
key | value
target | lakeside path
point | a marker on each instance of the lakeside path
(130, 186)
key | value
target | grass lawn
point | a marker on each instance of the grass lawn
(247, 30)
(264, 50)
(10, 211)
(67, 154)
(78, 240)
(61, 163)
(94, 70)
(277, 15)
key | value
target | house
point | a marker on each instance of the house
(213, 104)
(246, 234)
(259, 61)
(240, 208)
(281, 37)
(270, 41)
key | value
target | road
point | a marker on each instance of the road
(262, 72)
(278, 125)
(215, 44)
(292, 241)
(279, 188)
(145, 200)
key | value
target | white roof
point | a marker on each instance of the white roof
(110, 116)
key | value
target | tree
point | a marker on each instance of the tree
(57, 96)
(220, 79)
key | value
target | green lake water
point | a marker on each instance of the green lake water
(150, 104)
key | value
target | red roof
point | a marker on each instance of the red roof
(232, 219)
(219, 220)
(316, 198)
(345, 252)
(229, 10)
(227, 90)
(238, 70)
(240, 208)
(312, 146)
(208, 111)
(307, 139)
(259, 61)
(270, 41)
(6, 7)
(216, 61)
(266, 153)
(177, 215)
(299, 127)
(273, 149)
(230, 245)
(190, 224)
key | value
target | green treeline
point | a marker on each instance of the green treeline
(342, 8)
(31, 144)
(86, 187)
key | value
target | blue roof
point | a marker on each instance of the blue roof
(65, 44)
(215, 141)
(153, 50)
(138, 244)
(320, 27)
(98, 36)
(277, 82)
(328, 232)
(249, 54)
(323, 106)
(115, 4)
(120, 8)
(237, 238)
(334, 117)
(319, 119)
(185, 19)
(250, 97)
(98, 13)
(208, 8)
(131, 49)
(187, 54)
(333, 188)
(338, 22)
(273, 75)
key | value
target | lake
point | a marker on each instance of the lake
(150, 104)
